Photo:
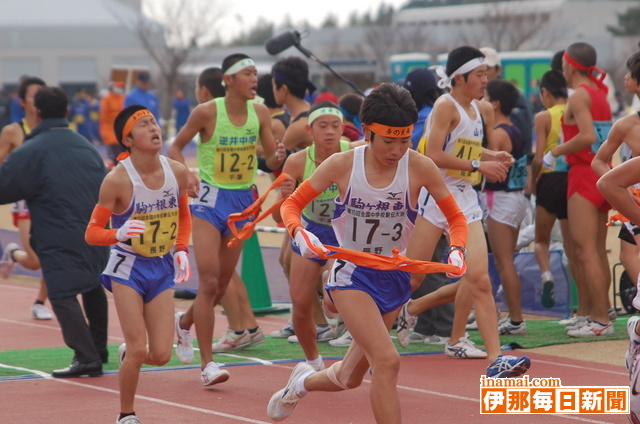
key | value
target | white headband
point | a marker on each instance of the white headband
(323, 111)
(445, 80)
(238, 66)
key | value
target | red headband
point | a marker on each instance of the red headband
(590, 72)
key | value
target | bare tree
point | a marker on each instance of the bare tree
(510, 25)
(171, 34)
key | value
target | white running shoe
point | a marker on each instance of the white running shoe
(284, 401)
(613, 314)
(129, 419)
(592, 329)
(464, 349)
(342, 341)
(571, 321)
(232, 342)
(40, 312)
(6, 263)
(508, 329)
(580, 322)
(184, 347)
(634, 347)
(212, 374)
(122, 351)
(284, 332)
(257, 337)
(323, 334)
(473, 325)
(471, 318)
(406, 321)
(416, 337)
(436, 340)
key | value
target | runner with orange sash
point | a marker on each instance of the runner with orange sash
(378, 186)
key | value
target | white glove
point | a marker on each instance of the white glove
(549, 161)
(181, 267)
(456, 258)
(307, 242)
(130, 229)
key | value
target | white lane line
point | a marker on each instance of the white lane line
(582, 367)
(249, 420)
(49, 327)
(140, 397)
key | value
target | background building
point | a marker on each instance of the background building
(71, 43)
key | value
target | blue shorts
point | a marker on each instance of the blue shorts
(148, 276)
(389, 289)
(216, 204)
(324, 233)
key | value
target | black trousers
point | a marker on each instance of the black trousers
(86, 336)
(439, 320)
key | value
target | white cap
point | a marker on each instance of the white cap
(491, 57)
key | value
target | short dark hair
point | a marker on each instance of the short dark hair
(505, 92)
(121, 121)
(633, 64)
(554, 82)
(556, 61)
(211, 79)
(584, 54)
(389, 104)
(265, 90)
(293, 72)
(458, 57)
(351, 104)
(231, 60)
(321, 104)
(51, 102)
(25, 83)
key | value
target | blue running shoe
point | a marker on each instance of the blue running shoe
(506, 366)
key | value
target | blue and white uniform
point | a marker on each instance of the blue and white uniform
(374, 220)
(146, 263)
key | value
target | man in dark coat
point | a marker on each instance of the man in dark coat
(59, 173)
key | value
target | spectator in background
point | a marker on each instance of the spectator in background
(59, 174)
(17, 112)
(142, 95)
(522, 114)
(421, 83)
(182, 107)
(290, 83)
(94, 117)
(79, 111)
(5, 109)
(349, 105)
(110, 105)
(280, 118)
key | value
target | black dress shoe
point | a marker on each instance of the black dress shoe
(78, 369)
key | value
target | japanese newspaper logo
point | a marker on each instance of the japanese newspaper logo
(548, 396)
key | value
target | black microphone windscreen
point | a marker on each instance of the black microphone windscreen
(282, 42)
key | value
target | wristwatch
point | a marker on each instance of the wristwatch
(460, 248)
(475, 164)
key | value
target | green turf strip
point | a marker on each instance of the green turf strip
(539, 333)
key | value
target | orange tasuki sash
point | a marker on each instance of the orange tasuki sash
(397, 262)
(252, 210)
